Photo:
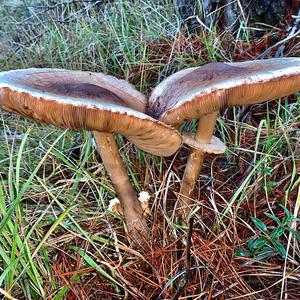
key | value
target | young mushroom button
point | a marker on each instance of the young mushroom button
(99, 103)
(200, 93)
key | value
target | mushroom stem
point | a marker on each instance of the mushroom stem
(133, 212)
(194, 164)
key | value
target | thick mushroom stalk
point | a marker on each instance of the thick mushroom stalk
(194, 164)
(132, 209)
(197, 93)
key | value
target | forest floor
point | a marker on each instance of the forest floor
(57, 239)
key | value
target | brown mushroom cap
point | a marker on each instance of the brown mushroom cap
(193, 92)
(86, 101)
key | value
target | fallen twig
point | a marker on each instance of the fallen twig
(187, 270)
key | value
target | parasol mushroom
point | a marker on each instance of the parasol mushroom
(200, 93)
(97, 102)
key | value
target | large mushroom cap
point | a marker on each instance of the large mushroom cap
(193, 92)
(86, 101)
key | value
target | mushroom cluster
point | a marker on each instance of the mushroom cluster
(106, 105)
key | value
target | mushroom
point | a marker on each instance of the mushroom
(102, 104)
(201, 92)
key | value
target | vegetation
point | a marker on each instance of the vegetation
(55, 238)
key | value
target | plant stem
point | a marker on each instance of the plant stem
(133, 212)
(194, 164)
(187, 273)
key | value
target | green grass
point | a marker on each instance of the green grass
(57, 241)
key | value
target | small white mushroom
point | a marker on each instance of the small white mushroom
(144, 199)
(115, 206)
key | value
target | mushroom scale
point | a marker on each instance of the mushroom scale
(194, 92)
(86, 101)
